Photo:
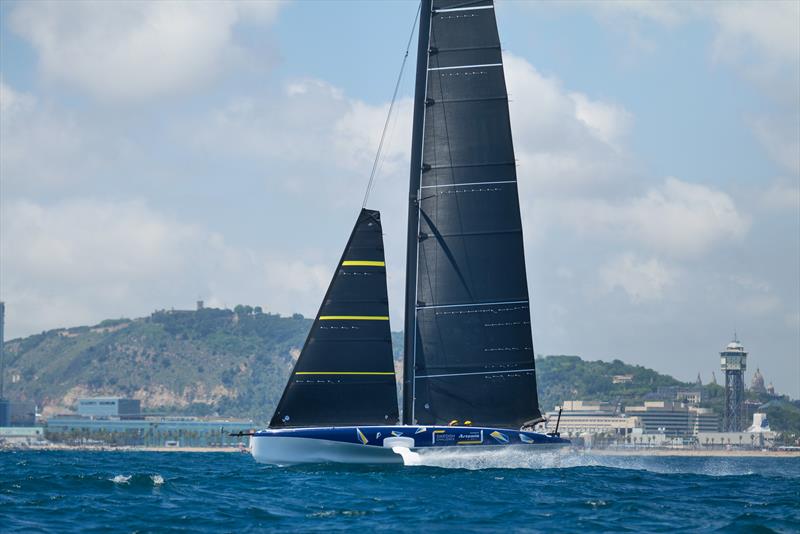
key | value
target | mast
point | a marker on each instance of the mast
(413, 210)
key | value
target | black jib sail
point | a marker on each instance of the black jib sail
(345, 372)
(469, 351)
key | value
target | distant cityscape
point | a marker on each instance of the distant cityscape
(669, 416)
(674, 418)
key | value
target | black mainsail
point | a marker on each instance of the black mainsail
(345, 372)
(468, 345)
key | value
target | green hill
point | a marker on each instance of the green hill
(193, 362)
(569, 377)
(236, 363)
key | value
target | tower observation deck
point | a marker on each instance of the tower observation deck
(733, 362)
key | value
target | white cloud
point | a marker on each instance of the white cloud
(781, 196)
(759, 305)
(40, 147)
(780, 137)
(676, 218)
(608, 122)
(771, 29)
(574, 173)
(82, 260)
(133, 49)
(13, 102)
(642, 280)
(310, 121)
(760, 41)
(565, 141)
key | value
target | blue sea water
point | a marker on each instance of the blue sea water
(59, 491)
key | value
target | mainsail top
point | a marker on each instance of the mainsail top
(345, 372)
(469, 349)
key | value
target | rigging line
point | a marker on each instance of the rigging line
(391, 107)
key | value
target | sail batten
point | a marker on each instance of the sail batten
(345, 373)
(469, 348)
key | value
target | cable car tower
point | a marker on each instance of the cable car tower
(733, 361)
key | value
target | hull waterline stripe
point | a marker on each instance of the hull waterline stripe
(354, 318)
(359, 263)
(343, 373)
(462, 9)
(481, 373)
(473, 304)
(467, 66)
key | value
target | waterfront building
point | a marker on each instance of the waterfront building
(758, 436)
(109, 407)
(21, 413)
(674, 419)
(5, 413)
(21, 435)
(148, 431)
(587, 417)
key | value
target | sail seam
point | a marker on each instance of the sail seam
(478, 373)
(462, 165)
(476, 99)
(466, 66)
(354, 318)
(343, 373)
(468, 183)
(450, 10)
(467, 48)
(441, 235)
(474, 304)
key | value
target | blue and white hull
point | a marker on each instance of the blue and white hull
(385, 444)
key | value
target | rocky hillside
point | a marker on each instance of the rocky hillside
(198, 362)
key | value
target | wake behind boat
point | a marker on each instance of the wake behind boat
(469, 373)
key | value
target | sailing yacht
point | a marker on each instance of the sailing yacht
(469, 379)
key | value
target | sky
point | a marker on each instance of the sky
(157, 153)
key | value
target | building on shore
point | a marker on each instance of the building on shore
(587, 417)
(674, 420)
(119, 421)
(758, 435)
(105, 407)
(21, 435)
(148, 431)
(21, 413)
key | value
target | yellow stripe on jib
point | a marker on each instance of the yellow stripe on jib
(340, 373)
(360, 263)
(354, 318)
